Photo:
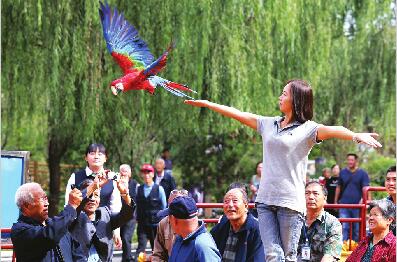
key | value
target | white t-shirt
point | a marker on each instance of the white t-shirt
(285, 156)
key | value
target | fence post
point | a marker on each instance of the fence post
(364, 212)
(35, 170)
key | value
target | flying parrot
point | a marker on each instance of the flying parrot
(132, 54)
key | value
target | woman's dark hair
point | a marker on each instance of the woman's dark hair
(94, 147)
(302, 100)
(257, 164)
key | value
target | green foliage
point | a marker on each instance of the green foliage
(56, 73)
(219, 160)
(376, 167)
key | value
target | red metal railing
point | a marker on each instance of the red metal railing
(6, 231)
(365, 202)
(361, 219)
(351, 220)
(7, 246)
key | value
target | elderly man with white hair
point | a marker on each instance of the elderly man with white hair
(38, 238)
(164, 177)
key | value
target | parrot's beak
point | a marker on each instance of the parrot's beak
(117, 89)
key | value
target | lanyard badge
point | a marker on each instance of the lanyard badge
(306, 251)
(306, 246)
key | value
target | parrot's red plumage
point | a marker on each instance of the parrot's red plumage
(132, 54)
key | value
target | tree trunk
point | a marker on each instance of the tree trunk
(56, 149)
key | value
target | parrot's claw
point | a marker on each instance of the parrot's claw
(117, 89)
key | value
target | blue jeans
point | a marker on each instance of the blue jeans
(280, 229)
(350, 213)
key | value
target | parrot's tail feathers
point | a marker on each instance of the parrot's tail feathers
(177, 92)
(171, 87)
(180, 86)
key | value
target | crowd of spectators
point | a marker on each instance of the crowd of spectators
(100, 202)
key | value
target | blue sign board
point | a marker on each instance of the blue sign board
(12, 172)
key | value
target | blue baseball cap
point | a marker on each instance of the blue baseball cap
(182, 207)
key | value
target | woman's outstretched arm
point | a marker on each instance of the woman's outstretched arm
(327, 132)
(245, 118)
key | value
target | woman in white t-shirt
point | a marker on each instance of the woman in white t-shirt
(287, 142)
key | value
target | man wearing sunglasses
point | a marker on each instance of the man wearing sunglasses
(150, 200)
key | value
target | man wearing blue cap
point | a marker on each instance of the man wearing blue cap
(193, 242)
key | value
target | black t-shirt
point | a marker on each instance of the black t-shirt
(331, 184)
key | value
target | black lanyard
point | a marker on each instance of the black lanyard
(308, 238)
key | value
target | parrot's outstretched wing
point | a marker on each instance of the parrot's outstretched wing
(123, 41)
(160, 62)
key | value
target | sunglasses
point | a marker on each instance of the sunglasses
(146, 171)
(182, 192)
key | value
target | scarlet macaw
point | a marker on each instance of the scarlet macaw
(132, 54)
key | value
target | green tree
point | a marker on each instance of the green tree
(56, 72)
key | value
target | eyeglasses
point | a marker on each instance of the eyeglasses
(43, 199)
(146, 171)
(183, 192)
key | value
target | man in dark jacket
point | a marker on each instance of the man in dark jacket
(237, 234)
(94, 225)
(38, 238)
(164, 177)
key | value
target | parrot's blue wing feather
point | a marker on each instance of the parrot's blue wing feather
(123, 41)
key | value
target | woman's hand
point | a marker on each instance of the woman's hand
(367, 138)
(198, 103)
